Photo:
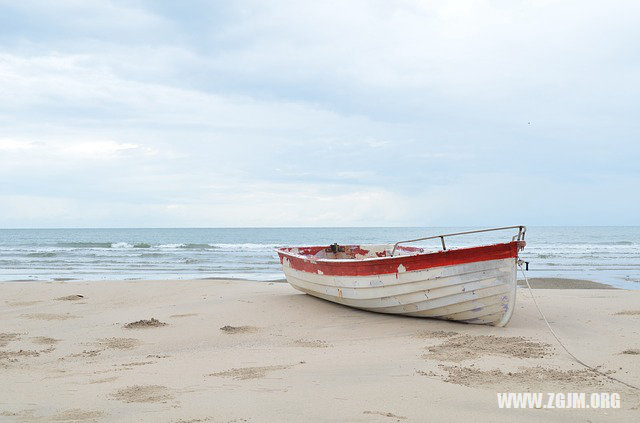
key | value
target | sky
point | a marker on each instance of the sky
(306, 113)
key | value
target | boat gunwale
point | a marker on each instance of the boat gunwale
(308, 258)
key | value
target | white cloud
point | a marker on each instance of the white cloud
(326, 113)
(12, 145)
(95, 150)
(270, 204)
(33, 152)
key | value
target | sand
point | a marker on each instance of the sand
(562, 283)
(240, 351)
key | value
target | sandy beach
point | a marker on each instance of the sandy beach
(241, 351)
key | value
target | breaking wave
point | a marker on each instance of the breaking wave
(42, 254)
(84, 244)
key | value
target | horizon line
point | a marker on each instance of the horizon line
(306, 227)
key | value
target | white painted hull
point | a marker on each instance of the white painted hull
(482, 292)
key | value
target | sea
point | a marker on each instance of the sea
(608, 254)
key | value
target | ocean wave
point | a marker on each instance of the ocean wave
(152, 255)
(84, 244)
(198, 246)
(188, 246)
(573, 245)
(546, 256)
(169, 245)
(191, 261)
(42, 254)
(248, 246)
(210, 246)
(115, 245)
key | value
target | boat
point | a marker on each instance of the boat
(472, 284)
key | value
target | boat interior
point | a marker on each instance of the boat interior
(353, 252)
(360, 252)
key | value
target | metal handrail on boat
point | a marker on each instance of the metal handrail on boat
(519, 237)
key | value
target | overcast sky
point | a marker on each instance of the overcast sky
(319, 113)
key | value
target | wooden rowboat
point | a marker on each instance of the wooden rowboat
(473, 285)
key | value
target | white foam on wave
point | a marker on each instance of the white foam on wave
(121, 245)
(248, 246)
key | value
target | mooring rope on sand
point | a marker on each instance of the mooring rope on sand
(593, 369)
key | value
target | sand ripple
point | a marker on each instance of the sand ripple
(143, 393)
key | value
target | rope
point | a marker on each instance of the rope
(593, 369)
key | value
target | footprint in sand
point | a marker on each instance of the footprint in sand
(118, 343)
(24, 415)
(70, 415)
(238, 329)
(14, 355)
(86, 354)
(305, 343)
(8, 414)
(104, 380)
(385, 414)
(466, 347)
(143, 393)
(245, 373)
(76, 297)
(544, 378)
(130, 366)
(435, 334)
(44, 340)
(108, 343)
(77, 415)
(5, 338)
(183, 315)
(49, 316)
(134, 364)
(22, 303)
(145, 324)
(628, 313)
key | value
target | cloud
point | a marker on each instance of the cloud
(11, 145)
(326, 113)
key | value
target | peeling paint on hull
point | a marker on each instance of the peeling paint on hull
(479, 292)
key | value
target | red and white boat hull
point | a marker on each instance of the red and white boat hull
(473, 285)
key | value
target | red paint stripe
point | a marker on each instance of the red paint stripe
(389, 265)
